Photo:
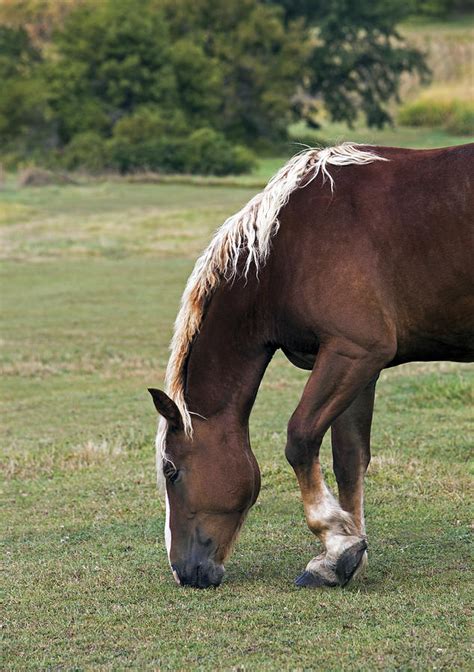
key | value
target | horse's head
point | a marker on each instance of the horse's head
(209, 487)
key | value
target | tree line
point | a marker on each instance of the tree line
(189, 85)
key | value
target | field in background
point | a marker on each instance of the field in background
(449, 46)
(91, 278)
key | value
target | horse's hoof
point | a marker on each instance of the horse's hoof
(349, 561)
(313, 580)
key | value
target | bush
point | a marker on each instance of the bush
(148, 123)
(461, 121)
(200, 153)
(455, 116)
(209, 153)
(86, 151)
(150, 140)
(204, 151)
(161, 154)
(424, 113)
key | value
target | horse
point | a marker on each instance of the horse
(353, 259)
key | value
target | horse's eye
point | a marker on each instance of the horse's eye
(170, 472)
(173, 476)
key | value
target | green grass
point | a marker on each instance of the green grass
(90, 281)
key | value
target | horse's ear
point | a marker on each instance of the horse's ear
(167, 408)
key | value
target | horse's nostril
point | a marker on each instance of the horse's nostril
(200, 575)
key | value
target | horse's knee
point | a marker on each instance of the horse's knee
(302, 443)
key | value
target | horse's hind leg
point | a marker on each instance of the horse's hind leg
(341, 373)
(351, 455)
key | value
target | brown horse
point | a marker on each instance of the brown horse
(353, 259)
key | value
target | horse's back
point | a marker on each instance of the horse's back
(392, 243)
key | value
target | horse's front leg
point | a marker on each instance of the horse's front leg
(341, 377)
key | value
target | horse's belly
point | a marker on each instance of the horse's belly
(433, 349)
(444, 334)
(302, 360)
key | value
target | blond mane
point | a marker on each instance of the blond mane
(248, 232)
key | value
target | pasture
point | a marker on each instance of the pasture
(91, 279)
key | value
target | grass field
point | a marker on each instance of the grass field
(90, 281)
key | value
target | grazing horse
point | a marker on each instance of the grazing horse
(351, 260)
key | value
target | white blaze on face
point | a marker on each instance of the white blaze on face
(163, 488)
(167, 526)
(168, 535)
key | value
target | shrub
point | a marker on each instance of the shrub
(148, 123)
(151, 140)
(461, 121)
(204, 151)
(159, 154)
(86, 151)
(456, 116)
(424, 113)
(148, 139)
(209, 153)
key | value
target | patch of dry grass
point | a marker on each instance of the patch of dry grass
(108, 367)
(94, 453)
(53, 223)
(148, 232)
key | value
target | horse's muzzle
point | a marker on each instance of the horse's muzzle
(204, 574)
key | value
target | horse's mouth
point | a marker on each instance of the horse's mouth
(205, 574)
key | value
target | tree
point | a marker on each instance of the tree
(231, 66)
(37, 17)
(258, 60)
(358, 56)
(238, 71)
(23, 100)
(109, 59)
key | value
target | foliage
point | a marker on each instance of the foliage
(358, 57)
(456, 116)
(38, 17)
(123, 55)
(23, 108)
(399, 9)
(86, 151)
(261, 61)
(461, 121)
(204, 151)
(245, 69)
(114, 66)
(440, 8)
(147, 123)
(110, 59)
(208, 152)
(146, 140)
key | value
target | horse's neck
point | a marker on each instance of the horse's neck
(227, 361)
